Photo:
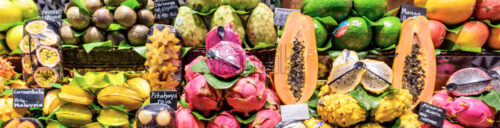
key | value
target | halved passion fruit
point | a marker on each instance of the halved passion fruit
(44, 75)
(25, 45)
(36, 27)
(50, 39)
(48, 56)
(28, 63)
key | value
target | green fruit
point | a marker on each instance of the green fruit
(14, 36)
(191, 27)
(4, 49)
(225, 15)
(337, 9)
(28, 8)
(241, 4)
(321, 33)
(203, 6)
(353, 34)
(372, 9)
(304, 3)
(388, 34)
(14, 14)
(260, 26)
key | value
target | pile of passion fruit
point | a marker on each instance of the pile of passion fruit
(107, 20)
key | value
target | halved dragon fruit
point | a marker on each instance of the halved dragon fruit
(468, 81)
(265, 119)
(221, 33)
(260, 73)
(226, 59)
(187, 120)
(471, 112)
(189, 73)
(201, 96)
(246, 96)
(224, 120)
(495, 75)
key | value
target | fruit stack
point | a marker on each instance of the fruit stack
(108, 20)
(41, 55)
(11, 28)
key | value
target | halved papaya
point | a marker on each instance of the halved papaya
(296, 63)
(414, 67)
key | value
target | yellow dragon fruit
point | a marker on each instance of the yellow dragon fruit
(409, 120)
(7, 111)
(340, 109)
(6, 69)
(392, 106)
(370, 125)
(316, 123)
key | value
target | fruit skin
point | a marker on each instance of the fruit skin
(337, 9)
(28, 8)
(316, 123)
(392, 106)
(260, 73)
(377, 76)
(446, 124)
(353, 33)
(43, 84)
(187, 120)
(102, 18)
(51, 101)
(225, 53)
(341, 110)
(112, 117)
(265, 119)
(74, 115)
(141, 86)
(115, 37)
(441, 99)
(93, 5)
(444, 71)
(191, 27)
(241, 4)
(201, 96)
(438, 32)
(14, 36)
(468, 76)
(125, 16)
(473, 34)
(273, 100)
(471, 112)
(321, 33)
(224, 120)
(260, 26)
(68, 35)
(75, 94)
(372, 9)
(14, 15)
(213, 38)
(450, 12)
(410, 120)
(137, 35)
(119, 95)
(77, 18)
(224, 15)
(93, 35)
(203, 6)
(487, 10)
(388, 34)
(246, 96)
(419, 3)
(190, 74)
(113, 3)
(7, 111)
(6, 69)
(494, 38)
(145, 17)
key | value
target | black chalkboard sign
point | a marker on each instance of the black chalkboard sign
(408, 11)
(52, 15)
(431, 114)
(28, 98)
(164, 97)
(166, 9)
(281, 14)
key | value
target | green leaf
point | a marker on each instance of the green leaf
(313, 102)
(393, 46)
(131, 3)
(219, 83)
(242, 12)
(362, 54)
(124, 45)
(329, 21)
(141, 50)
(491, 25)
(69, 46)
(89, 46)
(449, 45)
(16, 51)
(375, 51)
(66, 21)
(313, 113)
(80, 33)
(438, 51)
(249, 69)
(492, 98)
(78, 80)
(116, 27)
(200, 67)
(334, 54)
(81, 5)
(201, 117)
(397, 124)
(6, 92)
(95, 106)
(263, 45)
(116, 79)
(119, 108)
(5, 27)
(184, 103)
(328, 46)
(246, 121)
(455, 29)
(389, 13)
(110, 8)
(204, 14)
(185, 50)
(474, 49)
(366, 100)
(55, 85)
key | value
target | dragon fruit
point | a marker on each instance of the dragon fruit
(260, 73)
(221, 33)
(187, 120)
(471, 112)
(201, 96)
(224, 120)
(189, 73)
(265, 119)
(226, 59)
(446, 124)
(247, 95)
(273, 100)
(441, 99)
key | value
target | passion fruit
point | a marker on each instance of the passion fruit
(93, 35)
(145, 17)
(116, 37)
(45, 75)
(93, 5)
(36, 27)
(50, 39)
(68, 35)
(137, 35)
(113, 3)
(77, 18)
(25, 45)
(102, 18)
(48, 56)
(125, 16)
(28, 63)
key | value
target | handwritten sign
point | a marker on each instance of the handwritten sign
(165, 9)
(28, 98)
(281, 14)
(431, 114)
(408, 11)
(52, 15)
(164, 97)
(294, 112)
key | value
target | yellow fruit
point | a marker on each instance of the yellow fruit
(14, 36)
(141, 86)
(392, 106)
(51, 101)
(74, 115)
(419, 3)
(93, 125)
(10, 14)
(325, 90)
(28, 8)
(316, 123)
(36, 27)
(119, 95)
(7, 111)
(6, 69)
(409, 120)
(112, 117)
(340, 109)
(75, 94)
(450, 12)
(369, 125)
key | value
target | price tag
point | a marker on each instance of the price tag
(408, 11)
(166, 9)
(52, 15)
(164, 97)
(28, 98)
(431, 114)
(281, 14)
(294, 112)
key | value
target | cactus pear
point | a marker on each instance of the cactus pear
(201, 96)
(247, 95)
(241, 4)
(225, 15)
(191, 27)
(203, 6)
(260, 26)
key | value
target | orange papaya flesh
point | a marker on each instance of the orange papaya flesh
(13, 123)
(296, 63)
(414, 67)
(26, 124)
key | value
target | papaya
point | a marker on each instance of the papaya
(13, 123)
(27, 124)
(296, 63)
(414, 67)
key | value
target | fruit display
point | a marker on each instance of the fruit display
(11, 23)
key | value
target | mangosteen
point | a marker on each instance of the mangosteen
(113, 3)
(115, 37)
(93, 35)
(144, 16)
(125, 16)
(102, 18)
(77, 18)
(93, 5)
(137, 35)
(68, 35)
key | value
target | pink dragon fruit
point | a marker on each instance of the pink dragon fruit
(201, 96)
(471, 112)
(273, 100)
(260, 73)
(441, 99)
(189, 73)
(221, 33)
(247, 95)
(186, 120)
(446, 124)
(226, 59)
(224, 120)
(265, 119)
